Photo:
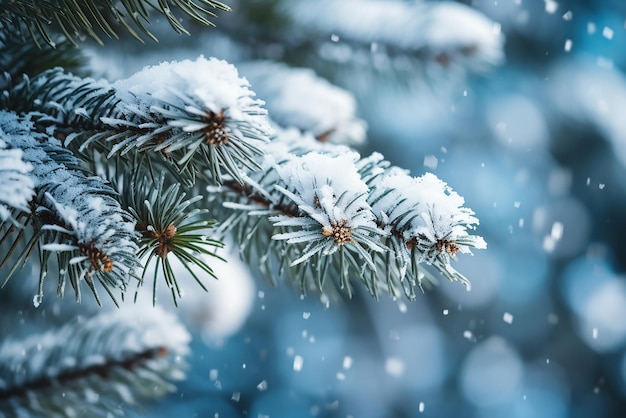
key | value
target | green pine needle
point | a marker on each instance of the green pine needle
(170, 226)
(96, 17)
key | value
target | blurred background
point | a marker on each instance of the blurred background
(518, 105)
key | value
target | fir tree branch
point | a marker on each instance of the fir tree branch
(203, 117)
(94, 366)
(97, 17)
(297, 97)
(331, 214)
(71, 215)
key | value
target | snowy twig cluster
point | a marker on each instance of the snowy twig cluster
(74, 216)
(330, 213)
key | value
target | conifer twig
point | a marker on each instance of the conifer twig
(97, 17)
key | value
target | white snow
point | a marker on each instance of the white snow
(347, 362)
(551, 6)
(214, 82)
(568, 45)
(330, 191)
(607, 32)
(394, 366)
(298, 97)
(439, 210)
(16, 185)
(183, 92)
(298, 363)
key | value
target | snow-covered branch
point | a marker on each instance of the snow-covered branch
(386, 36)
(332, 214)
(71, 215)
(193, 115)
(444, 32)
(16, 187)
(93, 366)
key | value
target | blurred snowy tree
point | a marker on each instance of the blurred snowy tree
(119, 184)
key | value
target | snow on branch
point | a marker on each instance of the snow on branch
(424, 218)
(58, 102)
(93, 366)
(193, 107)
(16, 187)
(194, 115)
(298, 97)
(445, 32)
(331, 213)
(74, 216)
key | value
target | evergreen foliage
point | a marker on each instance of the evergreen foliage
(99, 180)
